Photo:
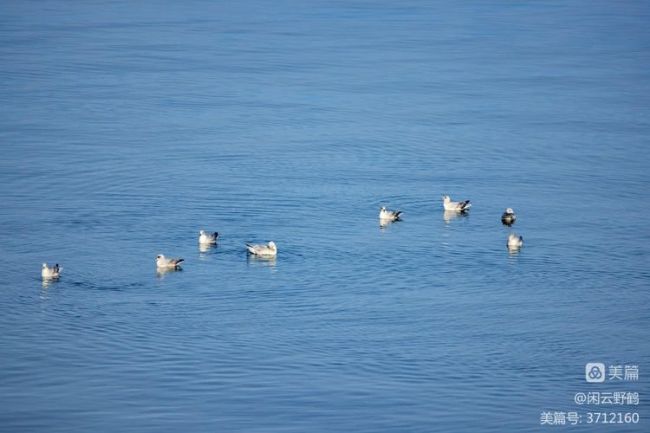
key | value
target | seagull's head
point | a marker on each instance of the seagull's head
(446, 198)
(201, 232)
(272, 246)
(44, 265)
(509, 211)
(383, 209)
(160, 256)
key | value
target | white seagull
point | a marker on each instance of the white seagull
(163, 262)
(389, 215)
(458, 206)
(206, 238)
(508, 218)
(515, 241)
(268, 250)
(52, 272)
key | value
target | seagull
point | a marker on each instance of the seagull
(508, 218)
(208, 238)
(515, 241)
(268, 250)
(51, 272)
(163, 262)
(458, 206)
(389, 215)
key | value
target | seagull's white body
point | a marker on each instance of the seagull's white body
(508, 218)
(389, 215)
(268, 250)
(51, 272)
(206, 238)
(515, 241)
(458, 206)
(163, 262)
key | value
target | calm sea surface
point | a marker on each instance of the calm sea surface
(125, 127)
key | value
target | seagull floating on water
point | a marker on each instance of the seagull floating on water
(515, 241)
(458, 206)
(51, 272)
(268, 250)
(163, 262)
(206, 238)
(389, 215)
(508, 218)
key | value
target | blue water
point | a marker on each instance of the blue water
(125, 127)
